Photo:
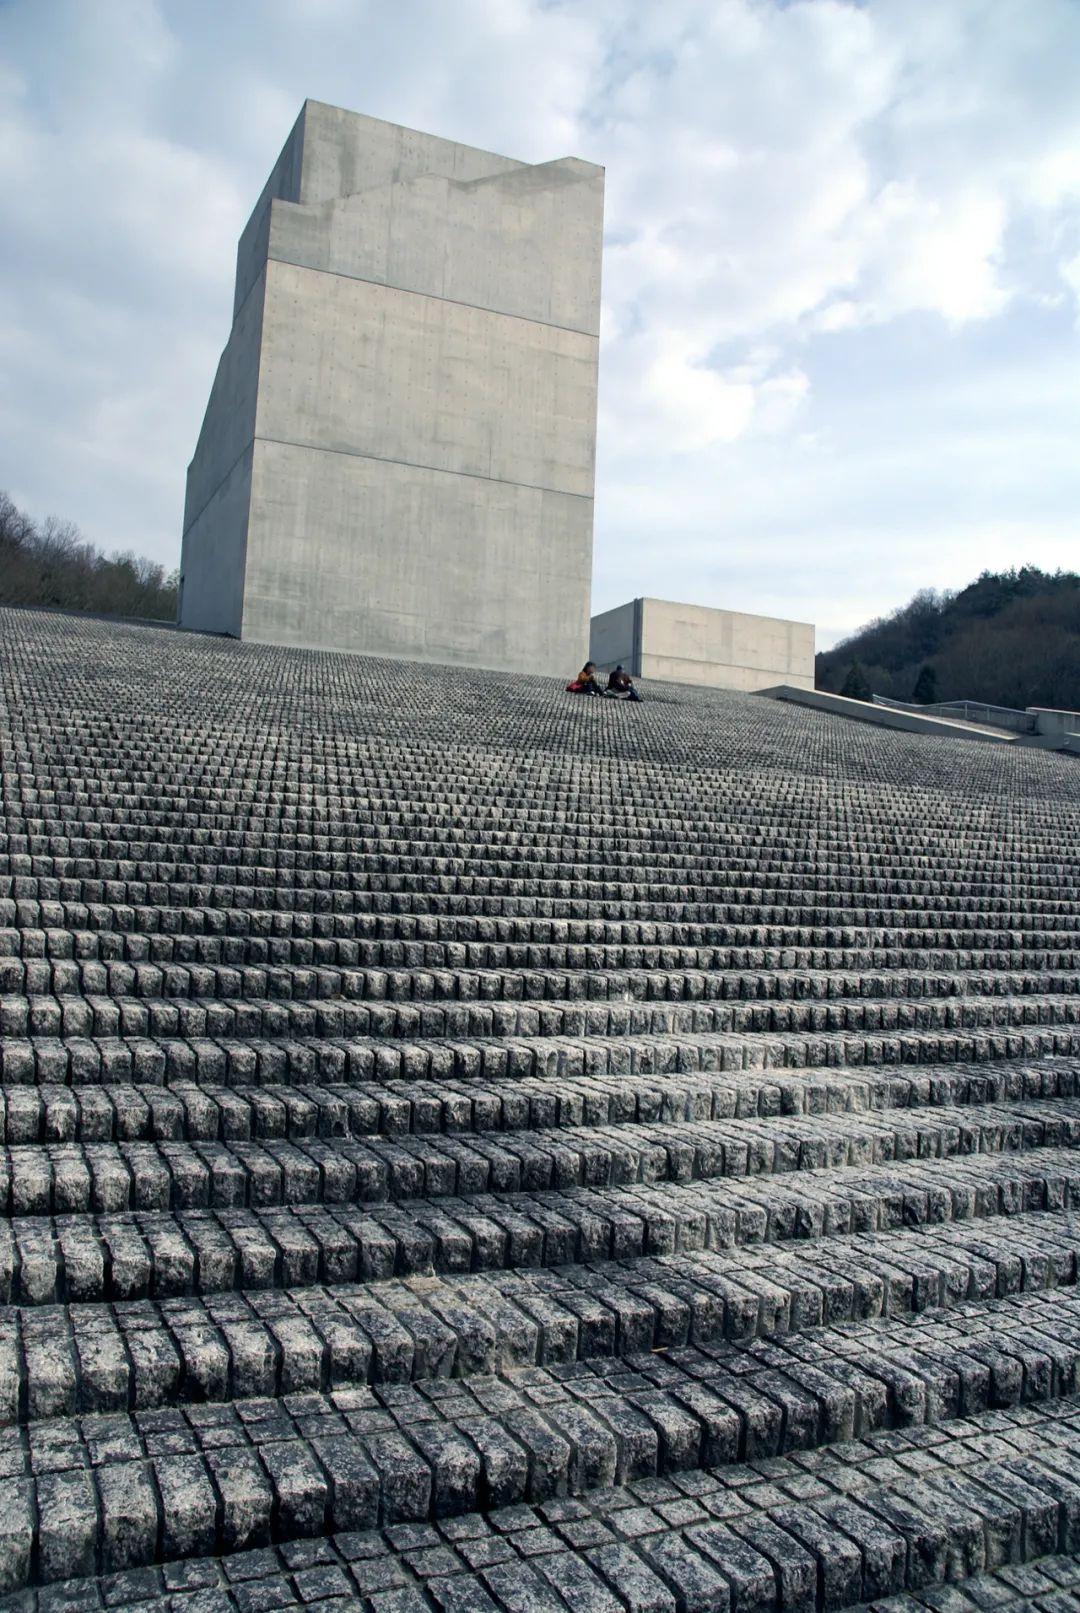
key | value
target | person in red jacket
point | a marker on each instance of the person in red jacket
(586, 681)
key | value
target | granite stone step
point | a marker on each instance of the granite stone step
(607, 1159)
(1056, 924)
(993, 1528)
(1015, 972)
(781, 1024)
(746, 945)
(80, 1358)
(151, 978)
(371, 874)
(364, 810)
(750, 946)
(119, 1256)
(49, 1105)
(73, 1178)
(404, 817)
(192, 1482)
(211, 1056)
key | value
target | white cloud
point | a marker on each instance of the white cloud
(840, 289)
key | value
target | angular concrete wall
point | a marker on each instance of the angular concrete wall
(721, 649)
(398, 453)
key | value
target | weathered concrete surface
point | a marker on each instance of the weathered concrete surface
(398, 453)
(720, 649)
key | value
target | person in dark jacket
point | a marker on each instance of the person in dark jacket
(621, 685)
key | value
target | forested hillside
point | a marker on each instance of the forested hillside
(1011, 638)
(50, 563)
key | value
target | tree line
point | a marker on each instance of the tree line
(1011, 638)
(51, 563)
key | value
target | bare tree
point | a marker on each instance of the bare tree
(51, 563)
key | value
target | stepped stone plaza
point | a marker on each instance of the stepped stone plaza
(398, 451)
(695, 644)
(472, 1150)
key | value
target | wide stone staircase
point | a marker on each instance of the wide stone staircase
(467, 1150)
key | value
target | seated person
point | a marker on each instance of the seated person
(621, 685)
(586, 681)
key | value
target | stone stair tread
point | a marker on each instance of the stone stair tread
(209, 1054)
(70, 1178)
(204, 1480)
(123, 1254)
(49, 1110)
(48, 964)
(728, 945)
(86, 1357)
(688, 1541)
(462, 1152)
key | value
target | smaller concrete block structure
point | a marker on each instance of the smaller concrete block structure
(719, 649)
(1062, 726)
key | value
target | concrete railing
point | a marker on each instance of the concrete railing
(1044, 729)
(971, 711)
(910, 722)
(1046, 722)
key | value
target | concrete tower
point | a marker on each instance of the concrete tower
(397, 455)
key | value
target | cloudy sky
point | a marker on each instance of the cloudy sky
(841, 283)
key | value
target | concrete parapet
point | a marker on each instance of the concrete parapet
(883, 716)
(695, 644)
(1036, 728)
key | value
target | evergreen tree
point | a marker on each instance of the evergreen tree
(925, 692)
(855, 686)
